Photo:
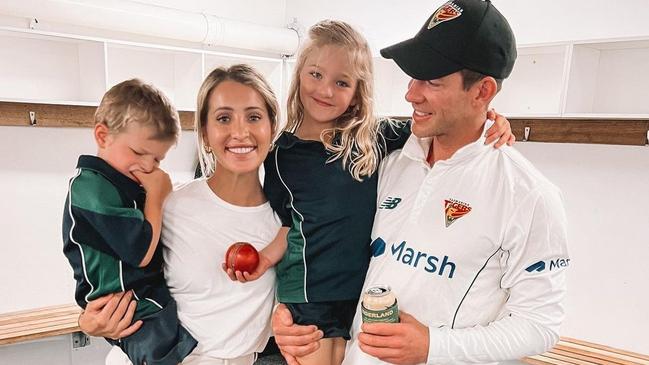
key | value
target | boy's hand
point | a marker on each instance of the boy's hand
(501, 130)
(243, 277)
(156, 183)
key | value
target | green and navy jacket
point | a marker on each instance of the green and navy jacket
(330, 216)
(105, 237)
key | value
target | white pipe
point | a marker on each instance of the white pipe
(157, 21)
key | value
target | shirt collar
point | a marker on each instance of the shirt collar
(132, 189)
(287, 140)
(417, 148)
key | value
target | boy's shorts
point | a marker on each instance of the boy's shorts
(333, 318)
(161, 340)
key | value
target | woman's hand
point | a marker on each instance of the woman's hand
(244, 277)
(110, 316)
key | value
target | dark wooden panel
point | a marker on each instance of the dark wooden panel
(187, 120)
(604, 131)
(47, 115)
(53, 115)
(599, 131)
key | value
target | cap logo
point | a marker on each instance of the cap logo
(446, 12)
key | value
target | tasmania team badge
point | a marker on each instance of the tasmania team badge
(447, 12)
(454, 210)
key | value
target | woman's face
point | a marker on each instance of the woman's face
(238, 127)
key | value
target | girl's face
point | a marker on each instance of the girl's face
(327, 87)
(238, 127)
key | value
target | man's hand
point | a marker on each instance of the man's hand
(110, 316)
(501, 130)
(397, 343)
(292, 339)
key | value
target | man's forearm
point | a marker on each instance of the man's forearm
(509, 338)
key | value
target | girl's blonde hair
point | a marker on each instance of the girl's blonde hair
(357, 129)
(245, 75)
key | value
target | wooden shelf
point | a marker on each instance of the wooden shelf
(38, 323)
(594, 131)
(570, 351)
(54, 115)
(631, 132)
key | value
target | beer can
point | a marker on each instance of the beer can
(379, 305)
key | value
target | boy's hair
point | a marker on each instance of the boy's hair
(245, 75)
(357, 128)
(133, 101)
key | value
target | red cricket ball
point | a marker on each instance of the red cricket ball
(242, 256)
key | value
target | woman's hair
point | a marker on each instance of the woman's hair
(243, 74)
(357, 129)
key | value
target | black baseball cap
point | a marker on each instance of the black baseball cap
(460, 34)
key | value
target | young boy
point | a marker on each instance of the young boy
(113, 217)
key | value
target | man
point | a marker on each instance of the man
(475, 246)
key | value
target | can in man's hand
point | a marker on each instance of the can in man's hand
(379, 305)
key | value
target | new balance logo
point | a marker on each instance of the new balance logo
(390, 203)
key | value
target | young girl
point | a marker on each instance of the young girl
(235, 121)
(321, 180)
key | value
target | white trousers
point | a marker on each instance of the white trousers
(117, 357)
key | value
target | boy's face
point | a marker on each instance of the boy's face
(132, 149)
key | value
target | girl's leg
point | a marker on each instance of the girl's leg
(322, 356)
(338, 350)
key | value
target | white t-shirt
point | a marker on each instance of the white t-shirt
(474, 248)
(228, 319)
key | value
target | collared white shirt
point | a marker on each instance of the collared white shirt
(462, 245)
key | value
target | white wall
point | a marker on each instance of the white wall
(606, 188)
(386, 22)
(55, 351)
(35, 166)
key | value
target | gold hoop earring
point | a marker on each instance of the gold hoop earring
(208, 149)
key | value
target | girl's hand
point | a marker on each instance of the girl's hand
(501, 130)
(244, 277)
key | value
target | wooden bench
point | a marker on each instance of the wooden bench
(576, 352)
(38, 323)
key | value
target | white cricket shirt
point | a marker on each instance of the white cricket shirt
(474, 248)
